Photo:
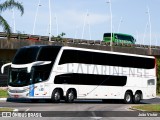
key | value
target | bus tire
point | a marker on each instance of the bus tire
(128, 98)
(56, 96)
(70, 96)
(137, 97)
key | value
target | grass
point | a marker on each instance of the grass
(148, 107)
(6, 109)
(158, 94)
(3, 93)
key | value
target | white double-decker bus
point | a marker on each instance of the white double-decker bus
(68, 73)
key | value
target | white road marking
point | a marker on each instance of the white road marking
(94, 116)
(15, 110)
(27, 109)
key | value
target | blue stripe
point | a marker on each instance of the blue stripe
(31, 90)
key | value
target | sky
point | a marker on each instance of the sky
(89, 19)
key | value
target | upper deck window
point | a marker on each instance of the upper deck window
(26, 55)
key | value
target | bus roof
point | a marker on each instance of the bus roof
(118, 34)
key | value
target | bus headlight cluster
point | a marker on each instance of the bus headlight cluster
(18, 91)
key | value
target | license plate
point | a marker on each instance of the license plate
(16, 96)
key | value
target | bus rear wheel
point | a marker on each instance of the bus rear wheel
(137, 97)
(128, 97)
(70, 96)
(56, 96)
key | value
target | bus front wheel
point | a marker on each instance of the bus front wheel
(128, 97)
(56, 96)
(70, 96)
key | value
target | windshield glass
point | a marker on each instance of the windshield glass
(107, 35)
(36, 53)
(26, 55)
(19, 77)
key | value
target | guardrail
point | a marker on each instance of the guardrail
(41, 39)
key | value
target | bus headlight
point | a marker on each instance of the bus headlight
(17, 91)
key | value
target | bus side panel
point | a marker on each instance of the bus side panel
(109, 92)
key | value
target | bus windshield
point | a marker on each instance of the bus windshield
(31, 54)
(20, 77)
(107, 35)
(26, 55)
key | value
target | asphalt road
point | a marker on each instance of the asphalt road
(80, 109)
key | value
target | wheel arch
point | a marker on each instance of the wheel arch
(129, 91)
(139, 91)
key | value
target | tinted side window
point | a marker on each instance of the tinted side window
(48, 53)
(84, 57)
(137, 62)
(99, 58)
(41, 73)
(68, 56)
(113, 60)
(91, 79)
(106, 59)
(127, 61)
(75, 56)
(149, 63)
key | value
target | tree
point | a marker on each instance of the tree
(9, 4)
(61, 35)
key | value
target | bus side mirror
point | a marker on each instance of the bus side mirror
(3, 66)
